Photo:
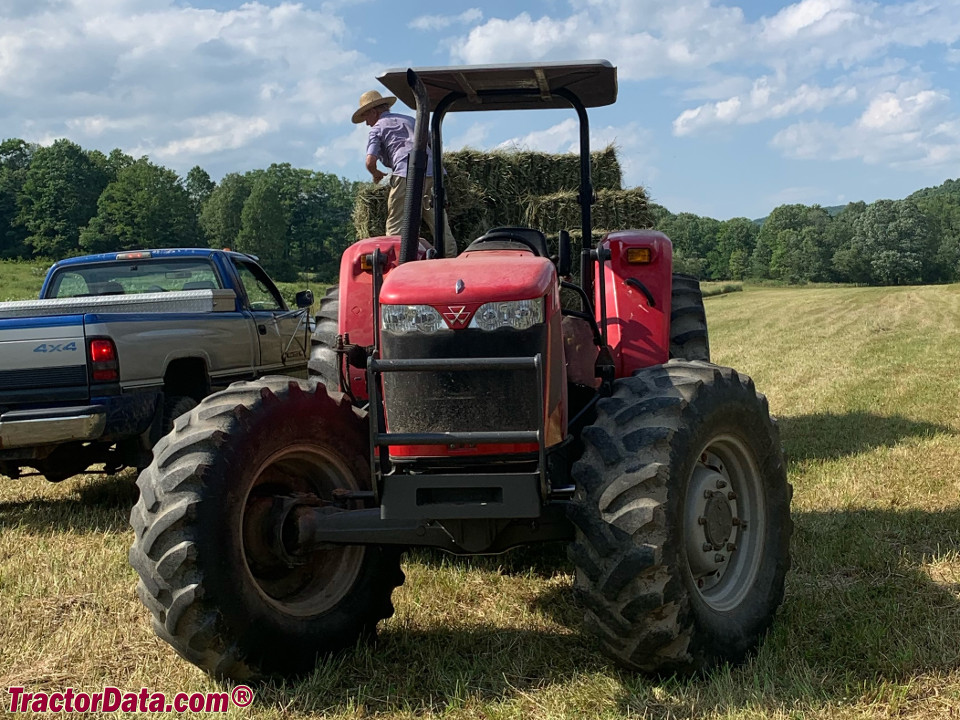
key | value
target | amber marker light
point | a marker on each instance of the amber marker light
(639, 256)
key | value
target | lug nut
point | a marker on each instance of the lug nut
(708, 494)
(731, 547)
(701, 520)
(707, 547)
(721, 484)
(731, 495)
(735, 522)
(718, 558)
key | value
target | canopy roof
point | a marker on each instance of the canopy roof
(510, 87)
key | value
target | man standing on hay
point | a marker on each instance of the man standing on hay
(390, 141)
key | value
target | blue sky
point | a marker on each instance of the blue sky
(724, 110)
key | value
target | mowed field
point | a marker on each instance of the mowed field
(866, 387)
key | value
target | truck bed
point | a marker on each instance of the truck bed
(185, 301)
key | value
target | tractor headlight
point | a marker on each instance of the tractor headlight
(516, 314)
(411, 318)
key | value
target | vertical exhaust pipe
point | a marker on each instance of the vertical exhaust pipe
(416, 172)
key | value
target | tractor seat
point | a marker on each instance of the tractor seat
(512, 238)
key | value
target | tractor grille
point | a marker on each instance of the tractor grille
(470, 401)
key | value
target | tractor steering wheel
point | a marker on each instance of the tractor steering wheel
(510, 237)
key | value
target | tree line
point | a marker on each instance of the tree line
(61, 200)
(889, 242)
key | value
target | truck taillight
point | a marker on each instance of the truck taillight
(104, 366)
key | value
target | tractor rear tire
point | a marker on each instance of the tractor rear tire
(688, 320)
(324, 361)
(218, 593)
(682, 519)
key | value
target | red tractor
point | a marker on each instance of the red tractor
(459, 403)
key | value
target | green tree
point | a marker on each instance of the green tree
(111, 164)
(263, 227)
(943, 212)
(15, 156)
(801, 254)
(761, 257)
(737, 236)
(59, 197)
(199, 188)
(321, 227)
(739, 264)
(221, 216)
(692, 237)
(844, 265)
(891, 244)
(146, 206)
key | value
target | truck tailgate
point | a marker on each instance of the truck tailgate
(42, 359)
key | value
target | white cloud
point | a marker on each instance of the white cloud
(765, 101)
(212, 134)
(561, 138)
(173, 80)
(344, 150)
(475, 136)
(441, 22)
(97, 125)
(888, 113)
(644, 39)
(803, 52)
(904, 129)
(810, 17)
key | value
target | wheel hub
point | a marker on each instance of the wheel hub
(303, 584)
(712, 523)
(719, 520)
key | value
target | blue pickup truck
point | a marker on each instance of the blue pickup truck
(120, 344)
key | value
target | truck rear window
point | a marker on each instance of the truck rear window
(130, 278)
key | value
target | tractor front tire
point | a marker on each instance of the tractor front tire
(220, 594)
(682, 519)
(689, 339)
(323, 364)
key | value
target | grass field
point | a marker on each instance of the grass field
(865, 384)
(21, 280)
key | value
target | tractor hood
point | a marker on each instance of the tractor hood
(470, 279)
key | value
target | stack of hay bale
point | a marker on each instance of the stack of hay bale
(509, 188)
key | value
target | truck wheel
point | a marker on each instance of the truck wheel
(221, 594)
(323, 363)
(688, 320)
(173, 407)
(682, 519)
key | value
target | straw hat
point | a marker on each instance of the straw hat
(371, 99)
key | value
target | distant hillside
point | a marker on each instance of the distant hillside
(832, 211)
(949, 187)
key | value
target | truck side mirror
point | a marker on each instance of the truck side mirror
(563, 260)
(304, 298)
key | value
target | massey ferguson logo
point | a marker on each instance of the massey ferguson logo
(457, 315)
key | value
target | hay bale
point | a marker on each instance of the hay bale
(370, 210)
(490, 189)
(620, 209)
